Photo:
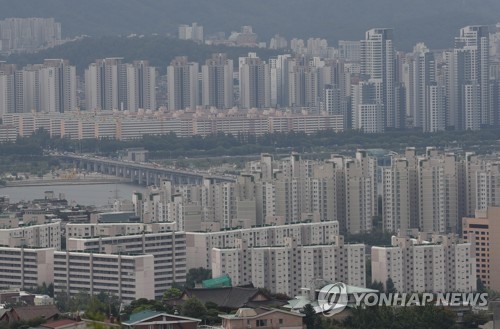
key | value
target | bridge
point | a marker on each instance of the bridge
(139, 173)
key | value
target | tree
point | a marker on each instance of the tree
(481, 288)
(194, 308)
(309, 316)
(376, 285)
(197, 275)
(172, 293)
(389, 286)
(212, 316)
(472, 320)
(143, 304)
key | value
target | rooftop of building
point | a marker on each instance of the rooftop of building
(137, 318)
(249, 313)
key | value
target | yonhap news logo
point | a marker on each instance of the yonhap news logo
(334, 298)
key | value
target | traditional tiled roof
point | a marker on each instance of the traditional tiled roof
(229, 297)
(27, 313)
(59, 323)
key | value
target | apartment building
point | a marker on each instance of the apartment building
(289, 267)
(128, 277)
(271, 192)
(483, 233)
(29, 34)
(199, 245)
(439, 264)
(49, 87)
(46, 235)
(428, 192)
(168, 249)
(93, 230)
(184, 123)
(26, 268)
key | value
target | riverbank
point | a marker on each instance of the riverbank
(99, 195)
(63, 182)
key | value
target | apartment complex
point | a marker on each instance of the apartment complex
(49, 87)
(168, 249)
(28, 34)
(192, 32)
(125, 125)
(111, 84)
(271, 191)
(433, 191)
(128, 277)
(289, 267)
(368, 83)
(439, 264)
(199, 245)
(26, 268)
(430, 191)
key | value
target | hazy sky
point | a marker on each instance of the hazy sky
(432, 21)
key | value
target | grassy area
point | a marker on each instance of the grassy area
(11, 165)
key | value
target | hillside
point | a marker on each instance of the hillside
(433, 21)
(159, 51)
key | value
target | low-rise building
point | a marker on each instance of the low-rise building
(27, 313)
(159, 320)
(262, 318)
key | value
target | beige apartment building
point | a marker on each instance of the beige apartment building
(290, 267)
(199, 245)
(483, 233)
(425, 191)
(434, 263)
(26, 268)
(184, 123)
(128, 277)
(168, 249)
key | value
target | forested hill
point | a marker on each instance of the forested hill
(158, 50)
(432, 21)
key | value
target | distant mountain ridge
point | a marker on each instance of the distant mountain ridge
(158, 50)
(433, 21)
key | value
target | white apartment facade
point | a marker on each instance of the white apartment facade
(128, 277)
(93, 230)
(199, 245)
(289, 267)
(442, 264)
(46, 235)
(168, 249)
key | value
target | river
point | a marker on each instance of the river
(93, 194)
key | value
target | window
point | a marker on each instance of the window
(261, 323)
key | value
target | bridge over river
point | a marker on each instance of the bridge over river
(140, 173)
